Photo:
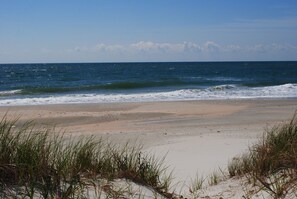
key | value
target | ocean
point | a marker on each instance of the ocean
(67, 83)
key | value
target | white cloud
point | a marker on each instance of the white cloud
(188, 51)
(211, 46)
(145, 46)
(141, 46)
(271, 48)
(148, 46)
(185, 47)
(233, 48)
(189, 46)
(105, 47)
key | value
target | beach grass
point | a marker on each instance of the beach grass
(196, 186)
(271, 164)
(41, 163)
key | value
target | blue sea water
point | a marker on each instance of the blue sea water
(27, 84)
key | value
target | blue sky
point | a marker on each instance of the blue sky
(147, 30)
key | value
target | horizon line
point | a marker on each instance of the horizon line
(132, 62)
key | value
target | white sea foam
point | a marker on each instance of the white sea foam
(222, 87)
(225, 92)
(10, 92)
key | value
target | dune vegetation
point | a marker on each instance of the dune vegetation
(271, 164)
(38, 163)
(41, 163)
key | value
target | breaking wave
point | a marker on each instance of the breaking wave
(211, 93)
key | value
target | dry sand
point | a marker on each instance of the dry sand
(197, 136)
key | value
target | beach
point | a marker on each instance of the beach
(153, 99)
(197, 137)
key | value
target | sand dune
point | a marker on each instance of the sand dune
(197, 136)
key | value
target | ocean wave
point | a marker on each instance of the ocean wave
(223, 79)
(135, 85)
(106, 86)
(222, 87)
(269, 92)
(10, 92)
(214, 79)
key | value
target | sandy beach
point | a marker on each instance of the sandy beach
(196, 136)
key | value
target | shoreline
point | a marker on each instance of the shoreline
(196, 136)
(46, 102)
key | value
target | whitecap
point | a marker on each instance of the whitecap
(269, 92)
(10, 92)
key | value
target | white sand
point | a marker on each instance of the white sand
(199, 155)
(198, 137)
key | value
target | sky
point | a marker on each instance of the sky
(47, 31)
